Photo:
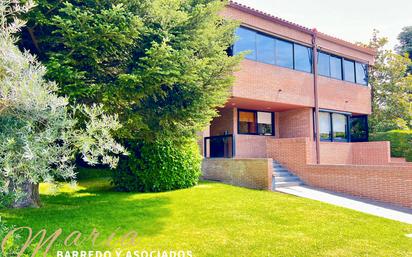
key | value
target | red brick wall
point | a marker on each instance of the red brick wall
(296, 123)
(387, 182)
(250, 173)
(391, 184)
(250, 146)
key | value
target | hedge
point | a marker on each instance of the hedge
(159, 166)
(401, 142)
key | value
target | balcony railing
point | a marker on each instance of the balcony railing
(219, 146)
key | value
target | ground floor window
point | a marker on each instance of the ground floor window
(333, 127)
(359, 128)
(256, 122)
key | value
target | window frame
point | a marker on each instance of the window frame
(347, 127)
(255, 112)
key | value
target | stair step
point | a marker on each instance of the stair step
(286, 179)
(280, 169)
(287, 184)
(282, 174)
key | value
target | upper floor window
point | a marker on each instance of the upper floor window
(271, 50)
(284, 54)
(361, 73)
(323, 64)
(265, 49)
(246, 42)
(349, 67)
(340, 68)
(303, 58)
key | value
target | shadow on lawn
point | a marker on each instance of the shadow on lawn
(107, 211)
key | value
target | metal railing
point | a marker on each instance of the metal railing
(219, 146)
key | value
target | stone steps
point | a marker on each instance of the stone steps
(282, 177)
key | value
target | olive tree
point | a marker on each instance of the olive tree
(38, 135)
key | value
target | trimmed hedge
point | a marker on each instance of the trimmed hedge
(401, 142)
(159, 166)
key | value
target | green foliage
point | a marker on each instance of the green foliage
(92, 172)
(391, 89)
(161, 65)
(401, 142)
(405, 46)
(13, 245)
(38, 134)
(159, 166)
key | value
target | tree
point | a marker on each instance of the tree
(161, 65)
(405, 40)
(38, 134)
(391, 89)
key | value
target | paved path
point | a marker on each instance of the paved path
(351, 202)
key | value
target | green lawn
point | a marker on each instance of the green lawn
(213, 219)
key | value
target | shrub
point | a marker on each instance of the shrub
(159, 166)
(401, 142)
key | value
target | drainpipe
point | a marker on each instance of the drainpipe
(316, 95)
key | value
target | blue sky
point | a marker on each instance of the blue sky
(351, 20)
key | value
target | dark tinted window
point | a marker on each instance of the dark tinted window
(284, 54)
(246, 42)
(361, 73)
(323, 64)
(265, 49)
(359, 128)
(336, 67)
(303, 58)
(349, 70)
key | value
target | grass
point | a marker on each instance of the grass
(213, 219)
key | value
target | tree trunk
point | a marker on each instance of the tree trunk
(31, 197)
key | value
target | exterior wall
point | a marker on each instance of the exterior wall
(296, 123)
(335, 153)
(250, 173)
(388, 182)
(251, 146)
(391, 184)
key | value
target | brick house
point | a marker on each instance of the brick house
(301, 98)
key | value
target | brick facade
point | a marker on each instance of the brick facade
(250, 173)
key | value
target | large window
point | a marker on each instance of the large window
(271, 50)
(361, 73)
(323, 64)
(336, 67)
(359, 128)
(284, 54)
(255, 123)
(349, 70)
(246, 42)
(340, 68)
(303, 58)
(333, 127)
(265, 48)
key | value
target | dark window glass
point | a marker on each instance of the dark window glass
(336, 67)
(265, 49)
(340, 124)
(247, 122)
(265, 126)
(323, 64)
(246, 42)
(284, 54)
(359, 128)
(349, 70)
(303, 58)
(325, 129)
(361, 73)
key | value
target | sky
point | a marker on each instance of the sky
(350, 20)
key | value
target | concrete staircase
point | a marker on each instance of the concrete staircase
(283, 178)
